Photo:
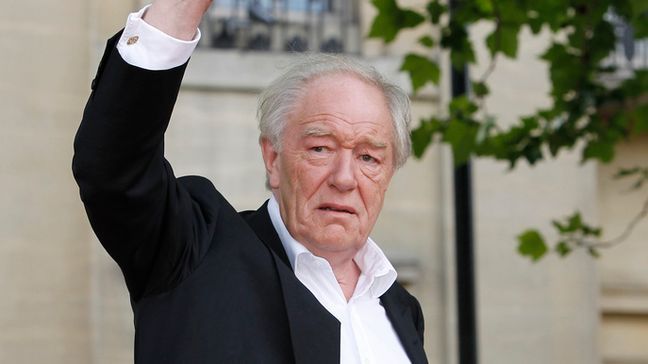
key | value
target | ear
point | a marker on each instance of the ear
(271, 162)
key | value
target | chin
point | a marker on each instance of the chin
(338, 241)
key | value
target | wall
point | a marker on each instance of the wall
(64, 301)
(545, 312)
(624, 267)
(44, 267)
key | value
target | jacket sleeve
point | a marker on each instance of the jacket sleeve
(155, 228)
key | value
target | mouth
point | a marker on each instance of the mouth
(337, 208)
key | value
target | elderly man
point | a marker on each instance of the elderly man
(296, 281)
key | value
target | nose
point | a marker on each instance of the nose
(342, 175)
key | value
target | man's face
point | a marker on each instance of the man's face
(335, 164)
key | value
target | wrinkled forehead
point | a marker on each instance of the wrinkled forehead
(341, 79)
(346, 98)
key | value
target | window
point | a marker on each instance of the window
(629, 53)
(282, 25)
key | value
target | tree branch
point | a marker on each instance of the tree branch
(619, 239)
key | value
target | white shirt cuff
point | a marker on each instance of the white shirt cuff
(145, 46)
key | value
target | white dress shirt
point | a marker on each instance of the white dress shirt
(147, 47)
(367, 335)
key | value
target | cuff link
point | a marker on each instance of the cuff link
(132, 40)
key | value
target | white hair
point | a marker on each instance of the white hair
(280, 98)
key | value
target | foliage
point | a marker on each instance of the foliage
(584, 109)
(640, 174)
(572, 230)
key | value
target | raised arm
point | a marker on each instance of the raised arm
(155, 228)
(177, 18)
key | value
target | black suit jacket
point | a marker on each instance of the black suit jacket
(207, 284)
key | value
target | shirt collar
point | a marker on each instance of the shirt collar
(371, 260)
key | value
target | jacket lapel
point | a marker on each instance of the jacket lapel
(315, 333)
(260, 222)
(401, 316)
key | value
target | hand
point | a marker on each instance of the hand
(177, 18)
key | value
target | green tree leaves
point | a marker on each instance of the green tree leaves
(423, 134)
(391, 19)
(480, 89)
(599, 149)
(427, 41)
(638, 16)
(435, 10)
(532, 245)
(461, 137)
(504, 39)
(584, 110)
(455, 38)
(572, 232)
(421, 70)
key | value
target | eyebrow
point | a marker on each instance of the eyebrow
(319, 132)
(316, 132)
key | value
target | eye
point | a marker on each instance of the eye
(367, 158)
(318, 149)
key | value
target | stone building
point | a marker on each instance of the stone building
(63, 300)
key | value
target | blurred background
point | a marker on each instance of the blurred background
(62, 300)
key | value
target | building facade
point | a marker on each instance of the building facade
(64, 300)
